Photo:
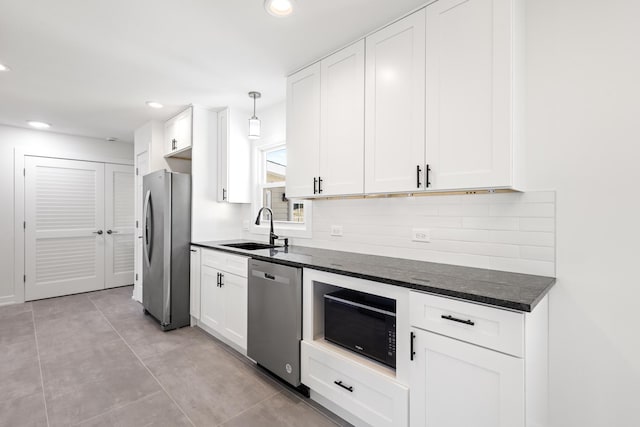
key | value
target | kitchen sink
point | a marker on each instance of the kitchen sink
(250, 246)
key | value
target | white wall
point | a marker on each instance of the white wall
(583, 139)
(48, 143)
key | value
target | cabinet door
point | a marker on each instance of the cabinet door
(342, 122)
(235, 320)
(469, 81)
(394, 109)
(303, 131)
(177, 131)
(455, 384)
(212, 305)
(195, 283)
(223, 155)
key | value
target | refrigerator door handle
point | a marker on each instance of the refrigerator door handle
(146, 225)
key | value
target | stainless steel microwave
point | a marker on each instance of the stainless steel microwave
(363, 323)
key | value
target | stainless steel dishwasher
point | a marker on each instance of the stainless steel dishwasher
(275, 318)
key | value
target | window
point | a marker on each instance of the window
(288, 215)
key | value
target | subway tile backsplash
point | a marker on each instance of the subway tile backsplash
(504, 231)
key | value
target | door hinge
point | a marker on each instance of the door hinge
(136, 277)
(136, 171)
(24, 278)
(24, 224)
(136, 223)
(24, 171)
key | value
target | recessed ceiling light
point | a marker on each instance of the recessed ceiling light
(4, 68)
(279, 7)
(38, 125)
(154, 104)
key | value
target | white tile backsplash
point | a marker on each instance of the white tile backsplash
(505, 231)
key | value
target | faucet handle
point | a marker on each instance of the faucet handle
(285, 239)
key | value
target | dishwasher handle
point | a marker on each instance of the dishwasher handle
(263, 275)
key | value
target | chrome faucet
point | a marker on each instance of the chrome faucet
(272, 236)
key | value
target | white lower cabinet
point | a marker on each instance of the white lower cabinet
(373, 398)
(456, 384)
(475, 365)
(222, 294)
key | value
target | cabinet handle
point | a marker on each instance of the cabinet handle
(454, 319)
(224, 194)
(221, 280)
(315, 182)
(173, 144)
(427, 182)
(319, 185)
(218, 279)
(193, 250)
(346, 387)
(412, 350)
(99, 232)
(418, 170)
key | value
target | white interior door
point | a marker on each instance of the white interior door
(119, 225)
(142, 168)
(64, 227)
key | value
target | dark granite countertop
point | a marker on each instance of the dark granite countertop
(498, 288)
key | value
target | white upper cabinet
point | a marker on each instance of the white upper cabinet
(234, 158)
(325, 126)
(394, 106)
(442, 106)
(470, 93)
(178, 133)
(342, 122)
(303, 132)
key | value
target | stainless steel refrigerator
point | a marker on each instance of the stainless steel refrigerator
(166, 239)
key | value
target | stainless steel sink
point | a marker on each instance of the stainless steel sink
(250, 246)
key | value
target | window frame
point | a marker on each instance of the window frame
(282, 228)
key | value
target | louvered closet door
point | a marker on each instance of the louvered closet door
(64, 235)
(119, 225)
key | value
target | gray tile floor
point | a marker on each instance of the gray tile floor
(95, 360)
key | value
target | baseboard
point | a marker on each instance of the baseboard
(9, 300)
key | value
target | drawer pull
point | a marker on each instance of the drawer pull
(346, 387)
(453, 319)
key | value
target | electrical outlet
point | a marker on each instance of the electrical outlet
(421, 235)
(336, 230)
(245, 225)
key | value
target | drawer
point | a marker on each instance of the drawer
(489, 327)
(235, 264)
(373, 397)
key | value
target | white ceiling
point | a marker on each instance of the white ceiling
(87, 67)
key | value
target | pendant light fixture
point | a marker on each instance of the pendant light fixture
(254, 122)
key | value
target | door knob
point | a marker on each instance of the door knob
(98, 232)
(109, 231)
